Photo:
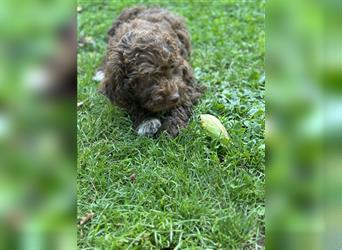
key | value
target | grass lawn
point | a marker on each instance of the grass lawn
(188, 192)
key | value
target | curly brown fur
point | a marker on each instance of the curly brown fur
(146, 70)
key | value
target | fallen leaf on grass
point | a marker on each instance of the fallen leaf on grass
(86, 218)
(133, 178)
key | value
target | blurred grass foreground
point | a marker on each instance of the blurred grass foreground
(303, 127)
(38, 120)
(37, 125)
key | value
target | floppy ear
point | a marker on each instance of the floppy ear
(113, 83)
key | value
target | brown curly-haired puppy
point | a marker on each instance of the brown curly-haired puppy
(146, 70)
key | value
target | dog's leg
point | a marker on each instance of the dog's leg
(145, 123)
(175, 120)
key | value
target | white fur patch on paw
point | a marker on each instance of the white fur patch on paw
(98, 76)
(149, 127)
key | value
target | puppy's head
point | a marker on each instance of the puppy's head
(145, 67)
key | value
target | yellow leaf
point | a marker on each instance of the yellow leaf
(214, 128)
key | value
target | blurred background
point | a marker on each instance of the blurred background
(304, 125)
(37, 124)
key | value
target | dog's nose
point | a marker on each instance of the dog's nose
(174, 98)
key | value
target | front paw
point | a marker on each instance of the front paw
(149, 127)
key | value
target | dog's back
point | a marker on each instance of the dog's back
(166, 20)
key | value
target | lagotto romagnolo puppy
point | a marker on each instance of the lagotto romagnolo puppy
(146, 70)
